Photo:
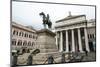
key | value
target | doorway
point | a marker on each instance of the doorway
(91, 46)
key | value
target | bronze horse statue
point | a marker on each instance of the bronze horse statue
(46, 20)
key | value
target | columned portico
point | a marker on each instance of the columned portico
(86, 39)
(73, 34)
(73, 41)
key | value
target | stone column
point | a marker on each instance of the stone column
(79, 41)
(86, 39)
(56, 38)
(73, 42)
(61, 41)
(67, 45)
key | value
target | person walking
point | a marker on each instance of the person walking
(50, 60)
(86, 52)
(29, 60)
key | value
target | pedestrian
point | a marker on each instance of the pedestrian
(50, 60)
(29, 60)
(86, 52)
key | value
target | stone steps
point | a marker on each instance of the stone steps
(42, 57)
(91, 57)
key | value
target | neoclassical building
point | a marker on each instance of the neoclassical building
(23, 37)
(74, 33)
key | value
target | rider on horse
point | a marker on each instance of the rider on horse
(46, 20)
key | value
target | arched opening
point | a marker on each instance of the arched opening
(14, 32)
(25, 43)
(19, 43)
(24, 50)
(91, 46)
(29, 43)
(33, 43)
(14, 42)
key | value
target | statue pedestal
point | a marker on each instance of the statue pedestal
(46, 42)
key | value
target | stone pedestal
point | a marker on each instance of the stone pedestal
(46, 43)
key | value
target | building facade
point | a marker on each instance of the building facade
(91, 31)
(75, 34)
(23, 38)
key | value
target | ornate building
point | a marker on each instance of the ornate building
(75, 33)
(23, 38)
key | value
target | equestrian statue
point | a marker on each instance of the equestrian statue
(46, 20)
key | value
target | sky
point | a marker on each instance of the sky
(27, 14)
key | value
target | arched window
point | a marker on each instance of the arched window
(25, 35)
(33, 36)
(20, 33)
(33, 43)
(30, 36)
(13, 42)
(29, 43)
(93, 35)
(90, 36)
(19, 43)
(25, 43)
(14, 32)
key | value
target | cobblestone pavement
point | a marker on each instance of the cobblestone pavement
(91, 57)
(82, 57)
(86, 58)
